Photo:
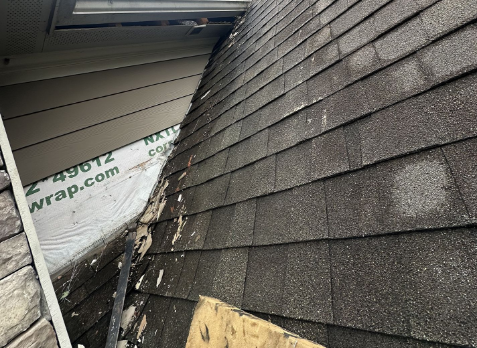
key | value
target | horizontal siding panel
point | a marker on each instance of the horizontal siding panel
(39, 161)
(37, 96)
(61, 64)
(27, 130)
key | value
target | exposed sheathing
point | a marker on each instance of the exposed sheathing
(324, 178)
(217, 324)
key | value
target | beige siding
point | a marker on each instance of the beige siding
(41, 126)
(57, 123)
(49, 157)
(36, 96)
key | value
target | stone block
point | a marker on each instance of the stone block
(20, 303)
(4, 180)
(14, 254)
(40, 335)
(10, 223)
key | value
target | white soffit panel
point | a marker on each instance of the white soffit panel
(23, 25)
(82, 12)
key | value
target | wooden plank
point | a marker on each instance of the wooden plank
(37, 96)
(115, 322)
(44, 159)
(27, 130)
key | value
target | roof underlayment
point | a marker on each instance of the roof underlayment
(324, 179)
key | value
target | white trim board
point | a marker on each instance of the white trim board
(32, 237)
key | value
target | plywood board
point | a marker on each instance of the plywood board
(217, 324)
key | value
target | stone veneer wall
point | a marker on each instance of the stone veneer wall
(25, 318)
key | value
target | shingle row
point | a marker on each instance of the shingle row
(380, 284)
(363, 63)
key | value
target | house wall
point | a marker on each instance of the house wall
(56, 123)
(324, 179)
(30, 312)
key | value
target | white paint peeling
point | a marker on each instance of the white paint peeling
(138, 284)
(159, 278)
(127, 317)
(205, 94)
